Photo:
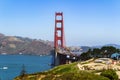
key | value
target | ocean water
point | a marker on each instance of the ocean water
(11, 65)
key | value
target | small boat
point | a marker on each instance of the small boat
(41, 55)
(5, 67)
(3, 53)
(20, 53)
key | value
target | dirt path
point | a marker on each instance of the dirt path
(92, 65)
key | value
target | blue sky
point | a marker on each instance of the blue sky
(86, 22)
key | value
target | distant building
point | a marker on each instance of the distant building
(115, 56)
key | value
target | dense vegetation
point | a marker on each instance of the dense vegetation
(111, 74)
(105, 51)
(63, 72)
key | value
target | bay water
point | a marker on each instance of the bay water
(11, 65)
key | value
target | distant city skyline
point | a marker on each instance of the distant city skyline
(86, 22)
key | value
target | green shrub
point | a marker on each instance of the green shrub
(111, 74)
(81, 76)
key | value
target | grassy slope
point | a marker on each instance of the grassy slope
(63, 72)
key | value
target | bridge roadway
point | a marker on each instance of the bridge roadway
(64, 56)
(66, 51)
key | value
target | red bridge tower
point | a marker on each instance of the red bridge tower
(59, 37)
(60, 52)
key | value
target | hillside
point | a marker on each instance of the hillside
(63, 72)
(85, 70)
(20, 45)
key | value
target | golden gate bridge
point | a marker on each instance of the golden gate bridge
(62, 54)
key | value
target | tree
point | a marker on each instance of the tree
(85, 56)
(108, 50)
(118, 50)
(105, 51)
(23, 72)
(96, 52)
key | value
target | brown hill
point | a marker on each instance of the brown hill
(20, 45)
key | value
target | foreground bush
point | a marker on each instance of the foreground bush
(111, 74)
(75, 76)
(82, 76)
